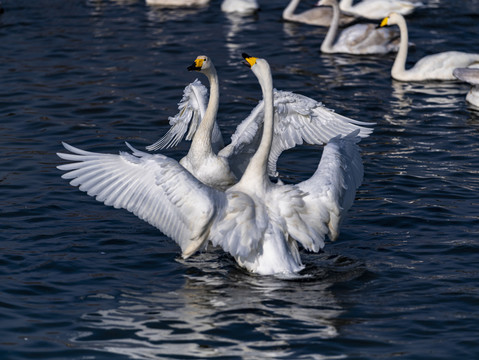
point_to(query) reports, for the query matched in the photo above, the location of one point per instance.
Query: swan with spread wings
(298, 119)
(258, 222)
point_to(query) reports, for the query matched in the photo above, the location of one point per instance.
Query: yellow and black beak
(383, 23)
(196, 66)
(250, 60)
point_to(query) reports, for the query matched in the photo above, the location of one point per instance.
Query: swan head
(392, 19)
(202, 64)
(259, 66)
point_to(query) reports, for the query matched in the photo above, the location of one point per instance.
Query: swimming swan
(315, 16)
(299, 119)
(378, 9)
(432, 67)
(357, 39)
(256, 221)
(471, 76)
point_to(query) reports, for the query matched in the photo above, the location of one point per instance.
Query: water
(80, 280)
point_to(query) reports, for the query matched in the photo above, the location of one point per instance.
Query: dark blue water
(79, 280)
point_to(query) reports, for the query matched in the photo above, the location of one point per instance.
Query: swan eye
(384, 22)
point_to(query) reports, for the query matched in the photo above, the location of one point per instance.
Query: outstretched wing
(191, 108)
(332, 188)
(298, 119)
(153, 187)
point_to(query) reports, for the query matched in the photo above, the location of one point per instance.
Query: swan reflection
(218, 311)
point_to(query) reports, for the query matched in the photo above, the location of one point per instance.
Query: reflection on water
(248, 315)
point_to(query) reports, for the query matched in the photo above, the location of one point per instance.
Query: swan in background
(177, 3)
(432, 67)
(315, 16)
(243, 7)
(471, 76)
(299, 119)
(357, 39)
(378, 9)
(256, 221)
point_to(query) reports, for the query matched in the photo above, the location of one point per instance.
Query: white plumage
(359, 38)
(315, 16)
(471, 76)
(378, 9)
(298, 119)
(256, 221)
(242, 7)
(432, 67)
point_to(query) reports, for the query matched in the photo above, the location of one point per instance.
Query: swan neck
(399, 65)
(327, 44)
(257, 169)
(289, 10)
(202, 140)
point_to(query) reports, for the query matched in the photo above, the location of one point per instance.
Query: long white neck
(289, 10)
(327, 44)
(345, 5)
(399, 66)
(201, 142)
(257, 170)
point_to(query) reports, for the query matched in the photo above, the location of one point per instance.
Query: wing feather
(155, 188)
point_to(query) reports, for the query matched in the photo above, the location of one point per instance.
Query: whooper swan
(315, 16)
(378, 9)
(299, 119)
(432, 67)
(256, 221)
(359, 38)
(471, 76)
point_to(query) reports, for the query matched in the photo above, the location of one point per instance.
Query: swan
(299, 119)
(378, 9)
(471, 76)
(357, 39)
(244, 7)
(178, 3)
(315, 16)
(256, 221)
(432, 67)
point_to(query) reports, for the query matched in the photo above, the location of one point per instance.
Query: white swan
(357, 39)
(315, 16)
(378, 9)
(243, 7)
(255, 220)
(299, 119)
(471, 76)
(177, 3)
(432, 67)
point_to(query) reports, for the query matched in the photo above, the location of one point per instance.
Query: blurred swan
(315, 16)
(239, 6)
(378, 9)
(177, 3)
(432, 67)
(256, 221)
(298, 119)
(471, 76)
(357, 39)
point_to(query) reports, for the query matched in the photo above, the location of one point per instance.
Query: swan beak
(383, 23)
(196, 66)
(250, 60)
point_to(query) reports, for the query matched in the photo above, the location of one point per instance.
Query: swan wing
(153, 187)
(298, 119)
(332, 188)
(191, 108)
(469, 75)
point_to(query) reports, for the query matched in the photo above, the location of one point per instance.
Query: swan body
(471, 76)
(259, 223)
(357, 39)
(315, 16)
(299, 119)
(432, 67)
(177, 3)
(240, 6)
(378, 9)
